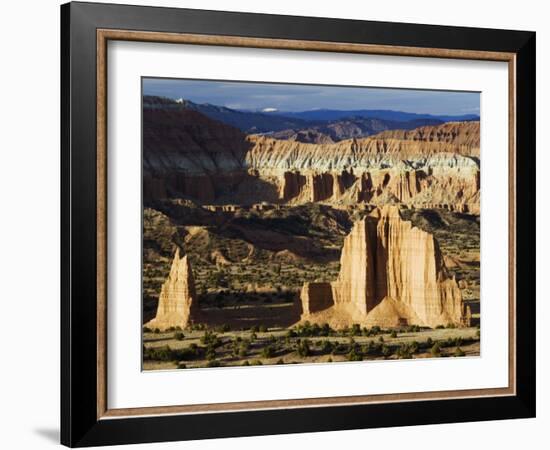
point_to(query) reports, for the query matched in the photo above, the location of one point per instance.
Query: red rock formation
(458, 133)
(178, 304)
(391, 274)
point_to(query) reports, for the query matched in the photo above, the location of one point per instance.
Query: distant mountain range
(248, 122)
(316, 126)
(381, 114)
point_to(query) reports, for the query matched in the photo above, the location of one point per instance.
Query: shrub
(146, 329)
(436, 349)
(303, 349)
(268, 352)
(262, 329)
(393, 334)
(368, 348)
(404, 352)
(240, 348)
(179, 336)
(381, 339)
(459, 352)
(213, 363)
(386, 350)
(211, 339)
(354, 356)
(325, 330)
(280, 361)
(182, 365)
(291, 334)
(355, 330)
(156, 331)
(429, 342)
(327, 346)
(158, 354)
(225, 328)
(339, 348)
(210, 354)
(246, 363)
(257, 362)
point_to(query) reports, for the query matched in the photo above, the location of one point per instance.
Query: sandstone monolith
(178, 304)
(391, 274)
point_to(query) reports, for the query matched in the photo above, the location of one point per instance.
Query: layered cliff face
(456, 190)
(360, 154)
(435, 166)
(391, 274)
(186, 154)
(178, 305)
(458, 133)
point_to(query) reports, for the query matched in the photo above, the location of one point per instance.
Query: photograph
(298, 224)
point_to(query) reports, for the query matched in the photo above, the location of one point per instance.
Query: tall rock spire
(178, 304)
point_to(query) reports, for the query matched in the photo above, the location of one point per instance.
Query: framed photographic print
(276, 224)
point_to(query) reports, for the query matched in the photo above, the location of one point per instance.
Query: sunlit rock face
(178, 306)
(391, 274)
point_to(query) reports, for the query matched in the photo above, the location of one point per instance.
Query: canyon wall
(458, 133)
(391, 274)
(188, 155)
(434, 166)
(178, 304)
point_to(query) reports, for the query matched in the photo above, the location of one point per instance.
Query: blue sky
(293, 97)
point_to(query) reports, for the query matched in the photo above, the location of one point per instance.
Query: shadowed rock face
(391, 274)
(187, 154)
(178, 304)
